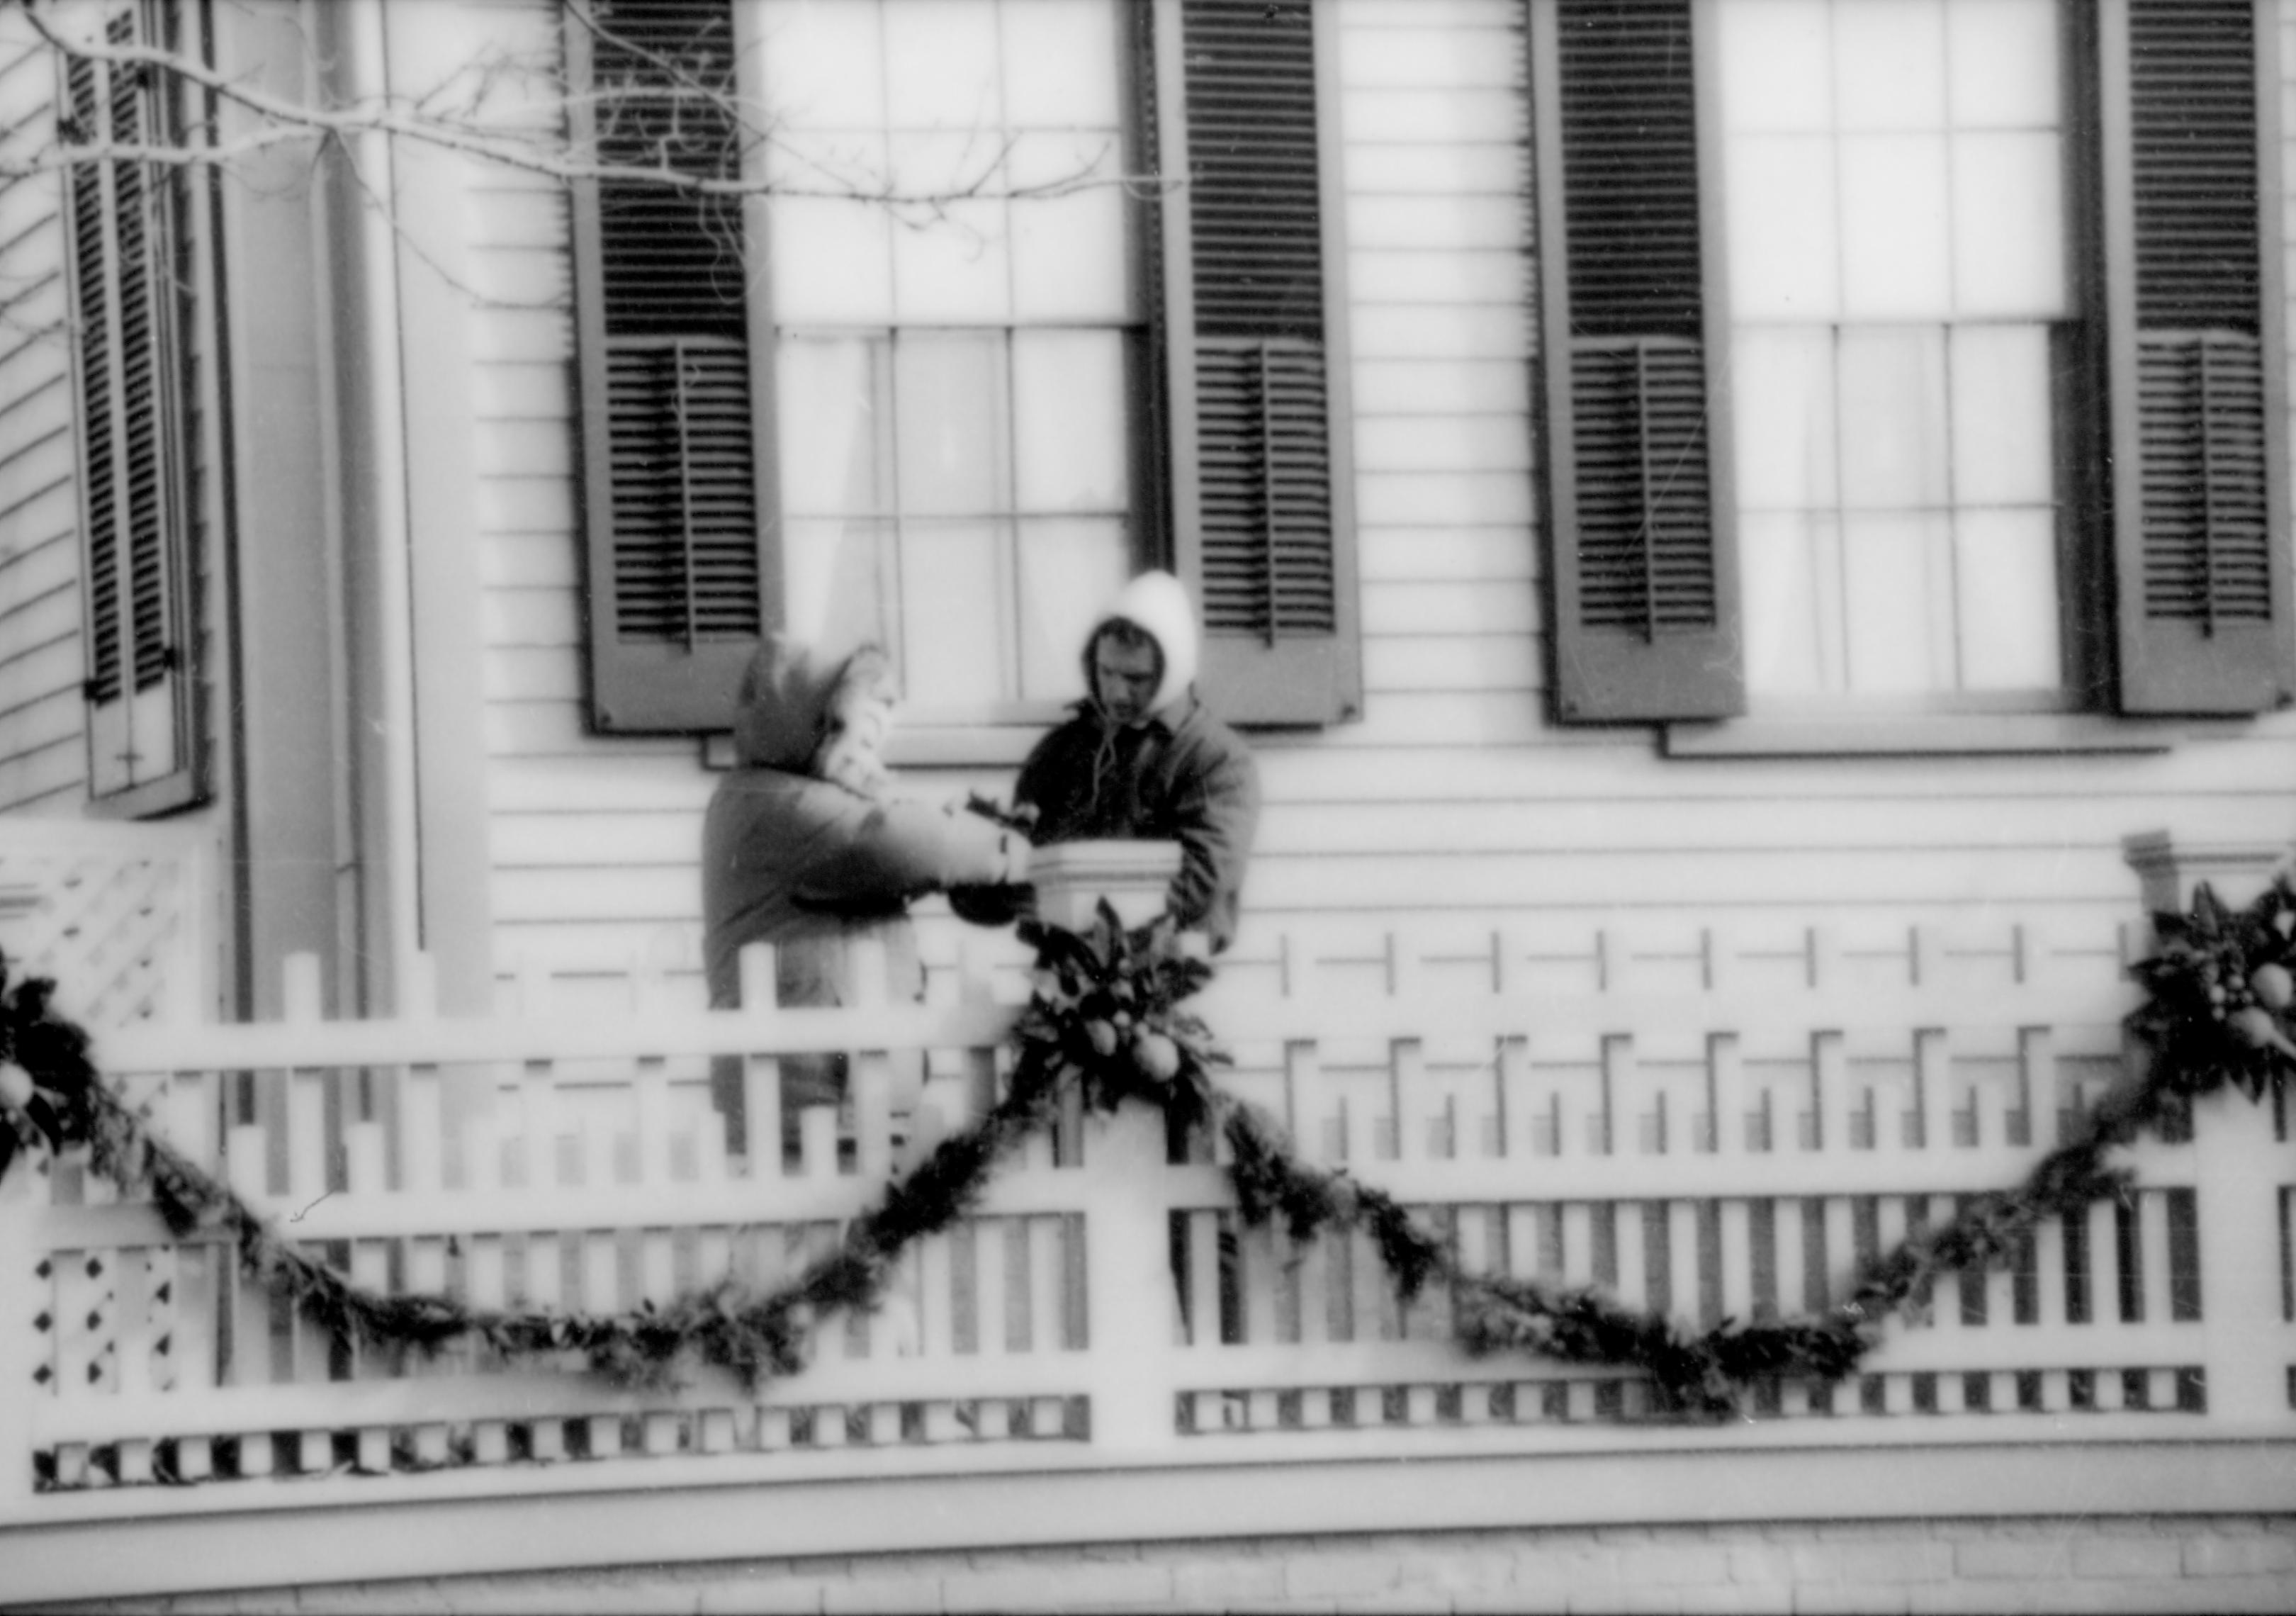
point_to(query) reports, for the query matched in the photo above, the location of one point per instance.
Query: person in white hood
(1143, 760)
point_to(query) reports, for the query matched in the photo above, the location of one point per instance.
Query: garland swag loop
(1106, 1016)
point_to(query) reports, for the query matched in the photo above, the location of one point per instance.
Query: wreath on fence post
(1107, 1015)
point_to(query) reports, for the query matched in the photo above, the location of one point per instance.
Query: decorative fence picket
(1716, 1126)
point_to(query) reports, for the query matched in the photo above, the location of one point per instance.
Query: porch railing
(1715, 1124)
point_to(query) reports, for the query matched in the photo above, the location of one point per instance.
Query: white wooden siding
(1454, 800)
(43, 756)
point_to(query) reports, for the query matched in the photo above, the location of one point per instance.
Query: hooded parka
(812, 867)
(1177, 773)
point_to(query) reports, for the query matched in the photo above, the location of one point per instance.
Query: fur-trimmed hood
(1158, 603)
(787, 695)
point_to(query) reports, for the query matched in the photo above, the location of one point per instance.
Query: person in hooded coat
(1144, 759)
(802, 849)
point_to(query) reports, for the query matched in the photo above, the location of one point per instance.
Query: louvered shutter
(1254, 380)
(681, 576)
(2190, 194)
(127, 272)
(1642, 594)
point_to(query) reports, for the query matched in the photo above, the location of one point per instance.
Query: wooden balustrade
(1711, 1125)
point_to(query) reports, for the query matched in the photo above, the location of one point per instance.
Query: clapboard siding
(1419, 385)
(39, 513)
(1425, 555)
(1454, 803)
(652, 896)
(1389, 444)
(36, 426)
(1469, 275)
(42, 760)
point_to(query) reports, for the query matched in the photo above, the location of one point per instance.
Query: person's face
(853, 754)
(1124, 678)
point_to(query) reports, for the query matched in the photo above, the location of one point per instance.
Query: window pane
(1890, 64)
(940, 65)
(955, 631)
(1897, 593)
(832, 261)
(1068, 419)
(1895, 199)
(1775, 65)
(1061, 64)
(1068, 253)
(1782, 250)
(1894, 245)
(951, 263)
(1789, 582)
(903, 383)
(829, 426)
(836, 582)
(1069, 570)
(2004, 57)
(2008, 225)
(2006, 563)
(1893, 419)
(949, 411)
(823, 63)
(1783, 395)
(2001, 450)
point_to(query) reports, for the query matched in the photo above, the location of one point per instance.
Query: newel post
(2237, 1161)
(1128, 1297)
(1071, 878)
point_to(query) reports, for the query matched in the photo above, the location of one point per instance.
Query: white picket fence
(1715, 1125)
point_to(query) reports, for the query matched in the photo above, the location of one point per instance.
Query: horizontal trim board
(681, 1518)
(1971, 732)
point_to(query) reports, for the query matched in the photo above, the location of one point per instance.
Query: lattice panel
(120, 917)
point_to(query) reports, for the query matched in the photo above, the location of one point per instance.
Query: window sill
(938, 746)
(1933, 735)
(169, 794)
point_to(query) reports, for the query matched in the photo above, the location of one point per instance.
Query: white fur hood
(1156, 602)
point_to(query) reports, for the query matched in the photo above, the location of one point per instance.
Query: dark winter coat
(1178, 774)
(813, 867)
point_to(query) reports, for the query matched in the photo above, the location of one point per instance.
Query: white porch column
(2238, 1164)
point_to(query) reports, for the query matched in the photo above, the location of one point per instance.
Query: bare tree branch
(460, 116)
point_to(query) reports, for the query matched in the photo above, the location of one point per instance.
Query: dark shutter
(2191, 200)
(680, 576)
(1254, 382)
(128, 272)
(1642, 593)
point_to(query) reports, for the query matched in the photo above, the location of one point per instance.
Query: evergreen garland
(1106, 1016)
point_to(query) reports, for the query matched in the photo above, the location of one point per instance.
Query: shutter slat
(684, 552)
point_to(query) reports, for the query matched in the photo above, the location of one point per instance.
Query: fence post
(2237, 1165)
(1129, 1300)
(22, 1295)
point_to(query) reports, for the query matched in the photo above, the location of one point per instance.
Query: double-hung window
(132, 358)
(1913, 356)
(1002, 301)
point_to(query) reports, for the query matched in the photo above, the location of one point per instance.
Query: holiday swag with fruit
(1106, 1020)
